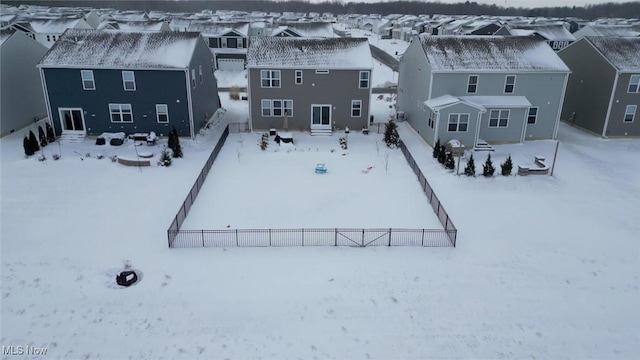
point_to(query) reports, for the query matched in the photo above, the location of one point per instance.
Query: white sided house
(491, 88)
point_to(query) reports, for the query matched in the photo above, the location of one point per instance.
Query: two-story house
(228, 42)
(498, 89)
(110, 81)
(603, 94)
(48, 31)
(311, 84)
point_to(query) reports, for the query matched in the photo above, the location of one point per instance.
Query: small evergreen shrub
(165, 158)
(487, 168)
(42, 137)
(449, 163)
(391, 136)
(28, 149)
(264, 141)
(436, 149)
(507, 166)
(343, 142)
(51, 136)
(442, 154)
(470, 169)
(33, 141)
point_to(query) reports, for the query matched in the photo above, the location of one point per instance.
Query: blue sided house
(99, 81)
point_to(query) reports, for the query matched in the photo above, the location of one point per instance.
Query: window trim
(271, 78)
(361, 79)
(632, 83)
(298, 77)
(458, 122)
(264, 102)
(125, 81)
(358, 108)
(469, 84)
(165, 112)
(120, 113)
(286, 107)
(92, 80)
(535, 116)
(506, 83)
(322, 71)
(500, 112)
(633, 114)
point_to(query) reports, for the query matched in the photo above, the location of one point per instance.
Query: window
(509, 84)
(364, 79)
(431, 119)
(193, 78)
(630, 113)
(277, 107)
(88, 83)
(322, 72)
(472, 84)
(129, 81)
(298, 77)
(270, 78)
(120, 112)
(458, 122)
(532, 116)
(634, 84)
(499, 118)
(48, 38)
(356, 108)
(162, 113)
(200, 73)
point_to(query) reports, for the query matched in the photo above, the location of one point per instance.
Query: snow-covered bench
(539, 167)
(115, 139)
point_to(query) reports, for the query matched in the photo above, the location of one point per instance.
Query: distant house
(319, 85)
(48, 31)
(556, 35)
(21, 97)
(112, 81)
(603, 93)
(608, 30)
(317, 29)
(135, 25)
(228, 42)
(498, 89)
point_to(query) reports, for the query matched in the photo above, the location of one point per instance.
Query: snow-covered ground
(545, 267)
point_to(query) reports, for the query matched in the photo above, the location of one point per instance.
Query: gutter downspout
(613, 93)
(46, 99)
(189, 103)
(250, 119)
(561, 105)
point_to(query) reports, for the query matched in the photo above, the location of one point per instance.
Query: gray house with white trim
(319, 85)
(110, 81)
(491, 88)
(603, 94)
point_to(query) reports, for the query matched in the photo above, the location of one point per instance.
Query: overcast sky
(513, 3)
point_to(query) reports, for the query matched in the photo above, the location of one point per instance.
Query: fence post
(202, 237)
(169, 238)
(336, 237)
(302, 236)
(237, 243)
(363, 237)
(389, 236)
(269, 236)
(423, 237)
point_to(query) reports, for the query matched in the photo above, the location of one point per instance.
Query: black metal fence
(310, 237)
(444, 218)
(195, 189)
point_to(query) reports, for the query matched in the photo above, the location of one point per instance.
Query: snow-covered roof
(502, 101)
(109, 49)
(550, 32)
(312, 29)
(140, 25)
(490, 53)
(214, 28)
(50, 26)
(328, 53)
(5, 34)
(622, 52)
(614, 30)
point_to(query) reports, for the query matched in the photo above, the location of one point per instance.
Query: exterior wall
(589, 87)
(616, 126)
(413, 89)
(337, 88)
(543, 90)
(64, 88)
(21, 96)
(467, 138)
(510, 134)
(204, 96)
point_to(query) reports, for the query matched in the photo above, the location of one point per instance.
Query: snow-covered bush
(470, 169)
(507, 166)
(487, 168)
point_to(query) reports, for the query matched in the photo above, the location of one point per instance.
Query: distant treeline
(605, 10)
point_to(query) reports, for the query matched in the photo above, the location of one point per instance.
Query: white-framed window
(120, 113)
(88, 82)
(193, 78)
(129, 81)
(432, 120)
(472, 84)
(276, 107)
(458, 122)
(322, 72)
(532, 116)
(630, 113)
(200, 73)
(509, 84)
(634, 84)
(298, 77)
(48, 38)
(162, 113)
(356, 108)
(270, 78)
(364, 80)
(499, 118)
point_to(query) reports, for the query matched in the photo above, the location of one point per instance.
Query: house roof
(5, 34)
(622, 52)
(109, 49)
(50, 26)
(550, 32)
(479, 102)
(490, 53)
(311, 29)
(139, 25)
(328, 53)
(615, 30)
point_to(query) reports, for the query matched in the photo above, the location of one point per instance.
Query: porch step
(482, 145)
(72, 138)
(321, 132)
